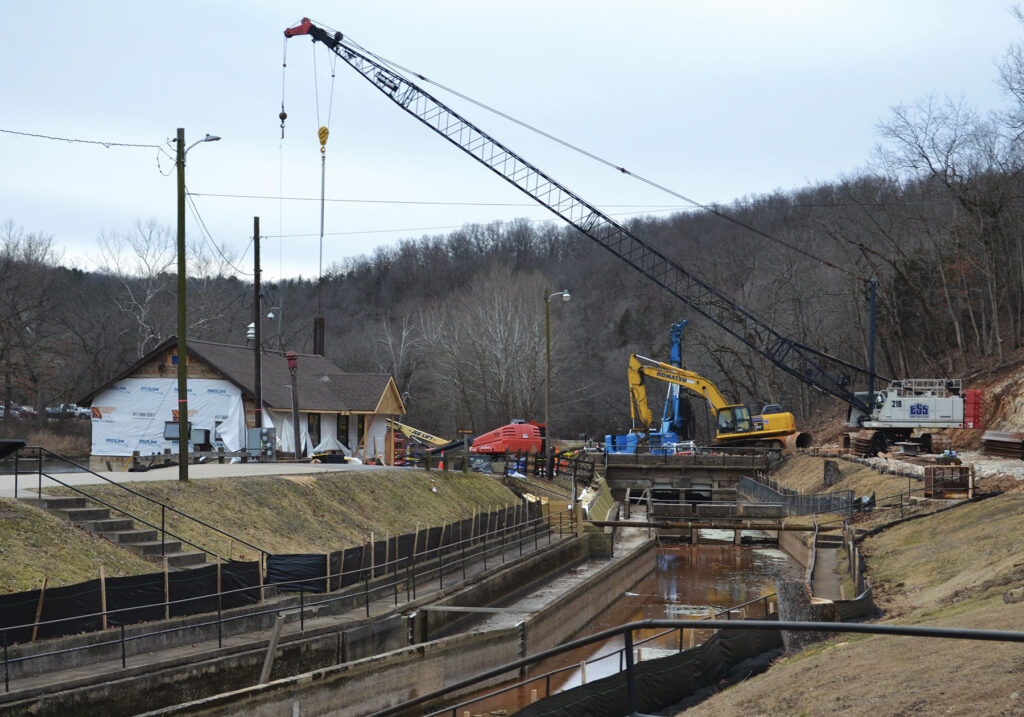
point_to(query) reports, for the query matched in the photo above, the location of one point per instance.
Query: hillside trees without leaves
(459, 319)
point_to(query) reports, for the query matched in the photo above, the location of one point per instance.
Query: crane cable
(323, 132)
(711, 209)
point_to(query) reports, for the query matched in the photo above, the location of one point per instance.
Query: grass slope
(293, 514)
(947, 568)
(310, 513)
(35, 544)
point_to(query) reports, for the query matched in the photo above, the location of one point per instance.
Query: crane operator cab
(734, 419)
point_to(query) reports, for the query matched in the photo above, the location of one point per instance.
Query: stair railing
(163, 506)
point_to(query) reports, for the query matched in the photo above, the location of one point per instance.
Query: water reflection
(685, 582)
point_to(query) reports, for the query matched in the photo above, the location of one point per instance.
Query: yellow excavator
(734, 426)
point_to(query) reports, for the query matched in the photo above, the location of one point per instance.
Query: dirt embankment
(942, 568)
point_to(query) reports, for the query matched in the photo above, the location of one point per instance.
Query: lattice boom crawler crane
(883, 422)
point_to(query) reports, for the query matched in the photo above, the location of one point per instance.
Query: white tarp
(130, 415)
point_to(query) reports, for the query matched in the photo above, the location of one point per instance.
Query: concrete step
(182, 559)
(109, 525)
(81, 515)
(154, 548)
(132, 536)
(53, 502)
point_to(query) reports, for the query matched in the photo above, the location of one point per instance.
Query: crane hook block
(323, 133)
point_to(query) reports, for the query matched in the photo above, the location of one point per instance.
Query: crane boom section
(822, 371)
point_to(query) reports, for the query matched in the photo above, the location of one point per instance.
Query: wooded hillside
(459, 319)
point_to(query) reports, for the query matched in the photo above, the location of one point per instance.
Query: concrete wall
(181, 679)
(563, 619)
(375, 683)
(367, 685)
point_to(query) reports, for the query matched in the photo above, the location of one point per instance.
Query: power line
(422, 202)
(736, 204)
(82, 141)
(424, 229)
(209, 239)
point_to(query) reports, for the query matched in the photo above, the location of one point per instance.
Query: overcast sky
(717, 100)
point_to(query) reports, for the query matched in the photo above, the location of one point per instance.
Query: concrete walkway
(28, 477)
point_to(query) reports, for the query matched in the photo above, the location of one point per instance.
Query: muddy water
(685, 581)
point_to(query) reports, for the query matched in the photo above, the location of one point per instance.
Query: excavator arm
(822, 371)
(640, 367)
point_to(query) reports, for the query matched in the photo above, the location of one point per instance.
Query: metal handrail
(163, 506)
(627, 632)
(616, 653)
(390, 585)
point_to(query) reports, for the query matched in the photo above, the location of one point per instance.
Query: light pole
(280, 314)
(564, 293)
(183, 422)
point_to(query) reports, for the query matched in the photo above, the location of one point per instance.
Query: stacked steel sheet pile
(1002, 443)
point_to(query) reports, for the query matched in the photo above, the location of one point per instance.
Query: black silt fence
(18, 609)
(135, 599)
(305, 572)
(193, 591)
(662, 682)
(72, 601)
(236, 575)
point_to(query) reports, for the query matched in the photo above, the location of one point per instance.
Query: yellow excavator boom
(733, 422)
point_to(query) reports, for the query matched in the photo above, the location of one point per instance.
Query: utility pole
(182, 347)
(293, 365)
(183, 422)
(257, 314)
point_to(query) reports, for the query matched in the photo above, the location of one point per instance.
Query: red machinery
(516, 437)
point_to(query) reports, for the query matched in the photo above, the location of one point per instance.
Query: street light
(182, 347)
(564, 293)
(280, 314)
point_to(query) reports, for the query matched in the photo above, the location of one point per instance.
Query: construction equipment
(734, 425)
(407, 439)
(819, 370)
(417, 434)
(676, 417)
(516, 437)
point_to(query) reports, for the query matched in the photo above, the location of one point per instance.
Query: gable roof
(321, 386)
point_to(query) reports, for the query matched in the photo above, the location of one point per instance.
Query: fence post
(7, 669)
(630, 673)
(220, 636)
(163, 531)
(366, 594)
(123, 656)
(302, 608)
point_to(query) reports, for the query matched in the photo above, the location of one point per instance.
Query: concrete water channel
(560, 589)
(674, 581)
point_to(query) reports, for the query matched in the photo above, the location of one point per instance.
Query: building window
(313, 424)
(343, 429)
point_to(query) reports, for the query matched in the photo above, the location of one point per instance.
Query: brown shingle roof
(322, 386)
